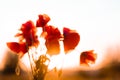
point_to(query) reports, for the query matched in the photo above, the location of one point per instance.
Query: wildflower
(87, 57)
(43, 20)
(28, 34)
(71, 39)
(52, 40)
(28, 43)
(50, 33)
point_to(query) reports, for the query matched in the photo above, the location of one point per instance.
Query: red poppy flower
(52, 40)
(87, 57)
(71, 39)
(43, 20)
(52, 32)
(17, 47)
(28, 33)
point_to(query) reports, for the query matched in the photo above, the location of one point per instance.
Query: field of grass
(110, 72)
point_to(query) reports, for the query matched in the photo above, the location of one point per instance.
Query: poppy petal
(87, 57)
(23, 48)
(52, 32)
(14, 46)
(71, 39)
(43, 20)
(17, 47)
(53, 47)
(28, 33)
(52, 40)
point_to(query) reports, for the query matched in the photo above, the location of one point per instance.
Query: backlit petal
(71, 39)
(14, 46)
(43, 20)
(52, 40)
(17, 47)
(87, 57)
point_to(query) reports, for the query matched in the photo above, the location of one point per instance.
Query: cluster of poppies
(28, 38)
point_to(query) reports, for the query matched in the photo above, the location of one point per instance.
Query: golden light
(97, 26)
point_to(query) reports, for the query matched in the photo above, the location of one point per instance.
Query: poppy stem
(31, 65)
(63, 57)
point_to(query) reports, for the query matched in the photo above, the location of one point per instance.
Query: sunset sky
(97, 21)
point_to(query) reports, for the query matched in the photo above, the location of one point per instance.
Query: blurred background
(97, 22)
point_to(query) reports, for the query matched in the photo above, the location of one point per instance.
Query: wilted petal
(87, 57)
(71, 39)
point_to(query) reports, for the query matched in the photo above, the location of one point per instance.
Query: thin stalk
(62, 53)
(30, 58)
(30, 65)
